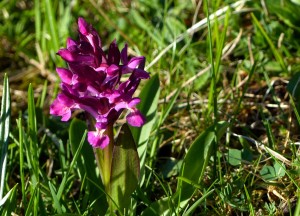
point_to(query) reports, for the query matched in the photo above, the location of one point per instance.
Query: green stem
(104, 158)
(107, 158)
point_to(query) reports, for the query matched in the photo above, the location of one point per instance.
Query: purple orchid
(93, 83)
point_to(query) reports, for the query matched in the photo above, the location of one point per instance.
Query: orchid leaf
(148, 106)
(197, 159)
(125, 168)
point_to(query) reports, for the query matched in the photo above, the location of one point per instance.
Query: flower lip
(135, 118)
(98, 140)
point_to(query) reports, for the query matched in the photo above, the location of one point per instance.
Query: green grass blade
(76, 155)
(32, 132)
(37, 20)
(213, 97)
(33, 149)
(52, 25)
(169, 107)
(277, 55)
(249, 200)
(4, 132)
(30, 206)
(43, 96)
(21, 146)
(55, 199)
(220, 44)
(198, 202)
(85, 163)
(10, 200)
(297, 210)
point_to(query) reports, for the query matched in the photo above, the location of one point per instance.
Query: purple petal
(113, 53)
(136, 61)
(83, 26)
(85, 48)
(127, 105)
(59, 109)
(65, 75)
(102, 67)
(80, 87)
(112, 70)
(75, 57)
(65, 100)
(70, 42)
(89, 109)
(123, 85)
(124, 57)
(66, 116)
(113, 96)
(139, 74)
(97, 140)
(135, 118)
(121, 105)
(133, 64)
(134, 102)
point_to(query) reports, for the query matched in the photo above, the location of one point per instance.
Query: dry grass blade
(260, 146)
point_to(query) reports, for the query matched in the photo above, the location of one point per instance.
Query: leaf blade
(149, 101)
(125, 168)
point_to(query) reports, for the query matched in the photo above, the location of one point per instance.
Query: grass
(223, 136)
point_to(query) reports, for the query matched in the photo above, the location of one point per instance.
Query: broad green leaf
(87, 166)
(234, 157)
(268, 173)
(170, 167)
(125, 168)
(197, 158)
(279, 169)
(148, 106)
(4, 132)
